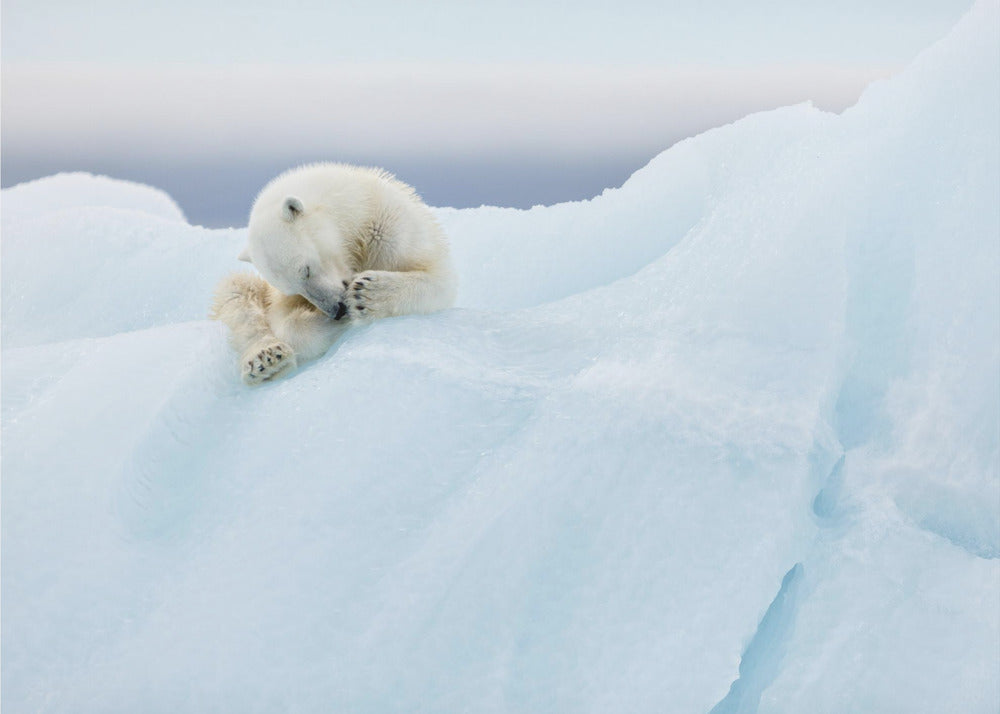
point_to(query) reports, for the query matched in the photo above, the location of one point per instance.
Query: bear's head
(300, 252)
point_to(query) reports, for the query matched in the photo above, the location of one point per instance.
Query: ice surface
(724, 439)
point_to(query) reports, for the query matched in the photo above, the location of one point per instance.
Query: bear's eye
(304, 272)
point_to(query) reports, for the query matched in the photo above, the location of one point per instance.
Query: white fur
(330, 240)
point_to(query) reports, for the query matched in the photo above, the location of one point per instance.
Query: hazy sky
(512, 103)
(582, 31)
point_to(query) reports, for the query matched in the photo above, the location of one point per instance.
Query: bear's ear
(292, 208)
(245, 256)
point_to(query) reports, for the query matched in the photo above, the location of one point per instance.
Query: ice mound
(81, 190)
(724, 439)
(87, 256)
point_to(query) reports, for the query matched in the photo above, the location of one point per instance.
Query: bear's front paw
(267, 360)
(362, 297)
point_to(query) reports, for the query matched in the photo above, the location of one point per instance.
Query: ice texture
(724, 439)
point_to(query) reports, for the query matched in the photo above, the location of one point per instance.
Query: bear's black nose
(341, 311)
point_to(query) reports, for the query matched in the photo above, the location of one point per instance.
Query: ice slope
(724, 439)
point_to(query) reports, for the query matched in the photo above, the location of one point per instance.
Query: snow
(724, 439)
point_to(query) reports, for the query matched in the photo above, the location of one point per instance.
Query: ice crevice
(762, 657)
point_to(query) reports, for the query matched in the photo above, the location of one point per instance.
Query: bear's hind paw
(267, 361)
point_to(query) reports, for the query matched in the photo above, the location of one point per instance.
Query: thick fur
(335, 244)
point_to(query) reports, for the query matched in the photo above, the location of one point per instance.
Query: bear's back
(351, 193)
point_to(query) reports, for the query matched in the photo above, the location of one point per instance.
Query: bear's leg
(242, 302)
(383, 293)
(308, 330)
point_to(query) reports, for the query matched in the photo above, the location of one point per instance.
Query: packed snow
(725, 439)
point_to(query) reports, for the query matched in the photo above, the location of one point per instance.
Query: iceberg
(724, 439)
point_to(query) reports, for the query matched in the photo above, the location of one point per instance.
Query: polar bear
(335, 244)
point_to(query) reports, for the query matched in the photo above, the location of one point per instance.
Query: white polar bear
(336, 244)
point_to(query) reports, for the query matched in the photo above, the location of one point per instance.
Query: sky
(511, 103)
